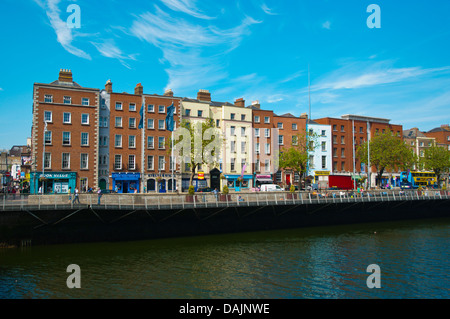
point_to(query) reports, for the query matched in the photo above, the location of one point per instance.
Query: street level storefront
(125, 182)
(160, 183)
(52, 182)
(263, 179)
(233, 181)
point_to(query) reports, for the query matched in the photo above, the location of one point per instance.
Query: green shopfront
(52, 182)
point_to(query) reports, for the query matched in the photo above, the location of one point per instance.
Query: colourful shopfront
(234, 181)
(125, 182)
(52, 182)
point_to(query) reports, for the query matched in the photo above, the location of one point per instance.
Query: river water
(318, 262)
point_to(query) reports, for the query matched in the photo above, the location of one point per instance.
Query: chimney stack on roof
(139, 89)
(65, 75)
(445, 126)
(108, 86)
(204, 95)
(240, 102)
(256, 104)
(168, 92)
(304, 116)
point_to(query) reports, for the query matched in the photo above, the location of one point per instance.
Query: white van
(270, 188)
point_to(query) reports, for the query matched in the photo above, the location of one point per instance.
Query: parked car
(205, 190)
(270, 188)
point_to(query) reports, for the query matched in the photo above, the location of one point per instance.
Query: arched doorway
(151, 185)
(102, 183)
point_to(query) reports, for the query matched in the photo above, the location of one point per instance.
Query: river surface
(320, 262)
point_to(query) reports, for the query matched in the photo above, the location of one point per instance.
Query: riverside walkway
(24, 202)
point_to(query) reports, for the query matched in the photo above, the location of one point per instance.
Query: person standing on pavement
(99, 193)
(75, 196)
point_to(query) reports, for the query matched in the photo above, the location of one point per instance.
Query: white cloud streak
(267, 10)
(63, 32)
(186, 6)
(191, 49)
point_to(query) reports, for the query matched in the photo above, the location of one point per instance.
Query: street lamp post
(43, 159)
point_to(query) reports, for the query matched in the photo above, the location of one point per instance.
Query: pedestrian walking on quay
(75, 196)
(99, 193)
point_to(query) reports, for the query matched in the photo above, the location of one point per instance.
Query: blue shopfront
(125, 182)
(52, 182)
(233, 181)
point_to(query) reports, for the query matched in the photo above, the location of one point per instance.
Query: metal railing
(208, 200)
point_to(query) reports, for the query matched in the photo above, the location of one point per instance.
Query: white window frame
(118, 137)
(48, 160)
(267, 148)
(67, 160)
(267, 119)
(161, 163)
(267, 132)
(130, 108)
(257, 119)
(163, 142)
(131, 122)
(87, 122)
(51, 116)
(117, 157)
(64, 118)
(118, 106)
(152, 161)
(116, 124)
(67, 99)
(48, 98)
(87, 139)
(163, 122)
(150, 108)
(152, 146)
(81, 161)
(132, 160)
(131, 141)
(163, 109)
(148, 124)
(47, 133)
(85, 101)
(256, 132)
(70, 138)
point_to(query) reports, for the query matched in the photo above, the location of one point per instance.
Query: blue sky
(255, 49)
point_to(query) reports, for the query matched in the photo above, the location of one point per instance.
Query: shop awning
(264, 180)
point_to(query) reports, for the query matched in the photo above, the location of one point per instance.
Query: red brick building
(67, 114)
(441, 135)
(348, 133)
(290, 129)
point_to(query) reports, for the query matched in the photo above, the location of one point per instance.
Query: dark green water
(321, 262)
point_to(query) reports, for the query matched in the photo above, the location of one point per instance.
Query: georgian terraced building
(91, 138)
(65, 136)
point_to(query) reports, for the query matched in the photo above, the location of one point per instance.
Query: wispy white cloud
(186, 6)
(109, 49)
(190, 48)
(267, 10)
(359, 75)
(326, 25)
(63, 33)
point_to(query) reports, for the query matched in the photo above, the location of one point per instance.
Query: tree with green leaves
(202, 143)
(436, 159)
(296, 157)
(387, 152)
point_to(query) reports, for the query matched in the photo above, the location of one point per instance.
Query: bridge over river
(50, 219)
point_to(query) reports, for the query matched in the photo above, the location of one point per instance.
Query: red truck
(340, 181)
